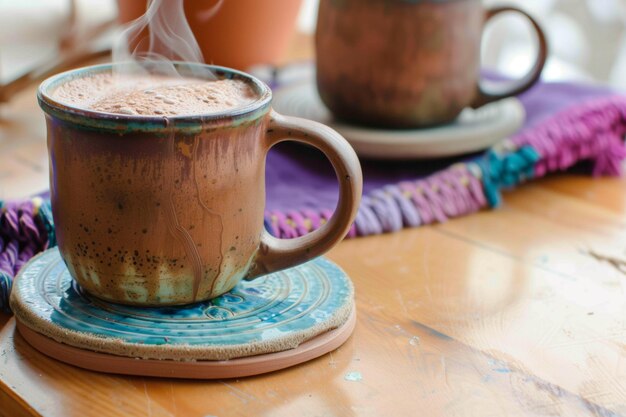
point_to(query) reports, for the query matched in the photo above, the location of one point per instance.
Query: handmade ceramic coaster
(474, 130)
(260, 326)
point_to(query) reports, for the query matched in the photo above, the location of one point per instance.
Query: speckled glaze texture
(392, 63)
(273, 313)
(180, 214)
(168, 211)
(158, 217)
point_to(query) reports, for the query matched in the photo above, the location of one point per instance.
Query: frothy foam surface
(154, 95)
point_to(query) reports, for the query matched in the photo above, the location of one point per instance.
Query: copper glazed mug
(164, 211)
(408, 63)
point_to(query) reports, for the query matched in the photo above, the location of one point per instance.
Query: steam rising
(161, 36)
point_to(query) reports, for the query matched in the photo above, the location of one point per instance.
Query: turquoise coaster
(270, 314)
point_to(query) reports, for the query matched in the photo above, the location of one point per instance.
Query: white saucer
(474, 130)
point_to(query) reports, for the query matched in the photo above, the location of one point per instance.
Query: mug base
(104, 299)
(394, 124)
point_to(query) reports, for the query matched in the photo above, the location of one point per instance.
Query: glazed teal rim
(137, 123)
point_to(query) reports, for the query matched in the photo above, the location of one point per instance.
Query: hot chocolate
(154, 95)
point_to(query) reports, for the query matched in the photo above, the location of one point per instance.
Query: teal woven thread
(506, 170)
(45, 215)
(5, 291)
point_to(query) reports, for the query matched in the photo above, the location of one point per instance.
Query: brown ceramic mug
(163, 211)
(401, 63)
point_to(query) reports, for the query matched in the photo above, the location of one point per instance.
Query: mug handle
(276, 254)
(497, 91)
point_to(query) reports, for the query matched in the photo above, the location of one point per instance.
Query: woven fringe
(453, 192)
(22, 235)
(594, 131)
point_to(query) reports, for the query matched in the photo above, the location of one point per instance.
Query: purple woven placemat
(299, 177)
(566, 124)
(302, 191)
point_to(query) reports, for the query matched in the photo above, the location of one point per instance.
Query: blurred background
(587, 37)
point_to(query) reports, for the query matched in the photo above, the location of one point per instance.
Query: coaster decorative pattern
(270, 314)
(473, 130)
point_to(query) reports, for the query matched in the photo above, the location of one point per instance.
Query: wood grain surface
(515, 312)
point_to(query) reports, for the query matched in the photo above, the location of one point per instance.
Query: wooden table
(519, 311)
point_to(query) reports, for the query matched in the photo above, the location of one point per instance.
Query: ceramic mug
(239, 34)
(406, 63)
(165, 211)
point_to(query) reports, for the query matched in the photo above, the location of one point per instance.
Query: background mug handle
(488, 92)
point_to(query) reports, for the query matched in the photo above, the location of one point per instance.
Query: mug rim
(129, 122)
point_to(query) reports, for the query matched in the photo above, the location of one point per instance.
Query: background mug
(401, 63)
(162, 211)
